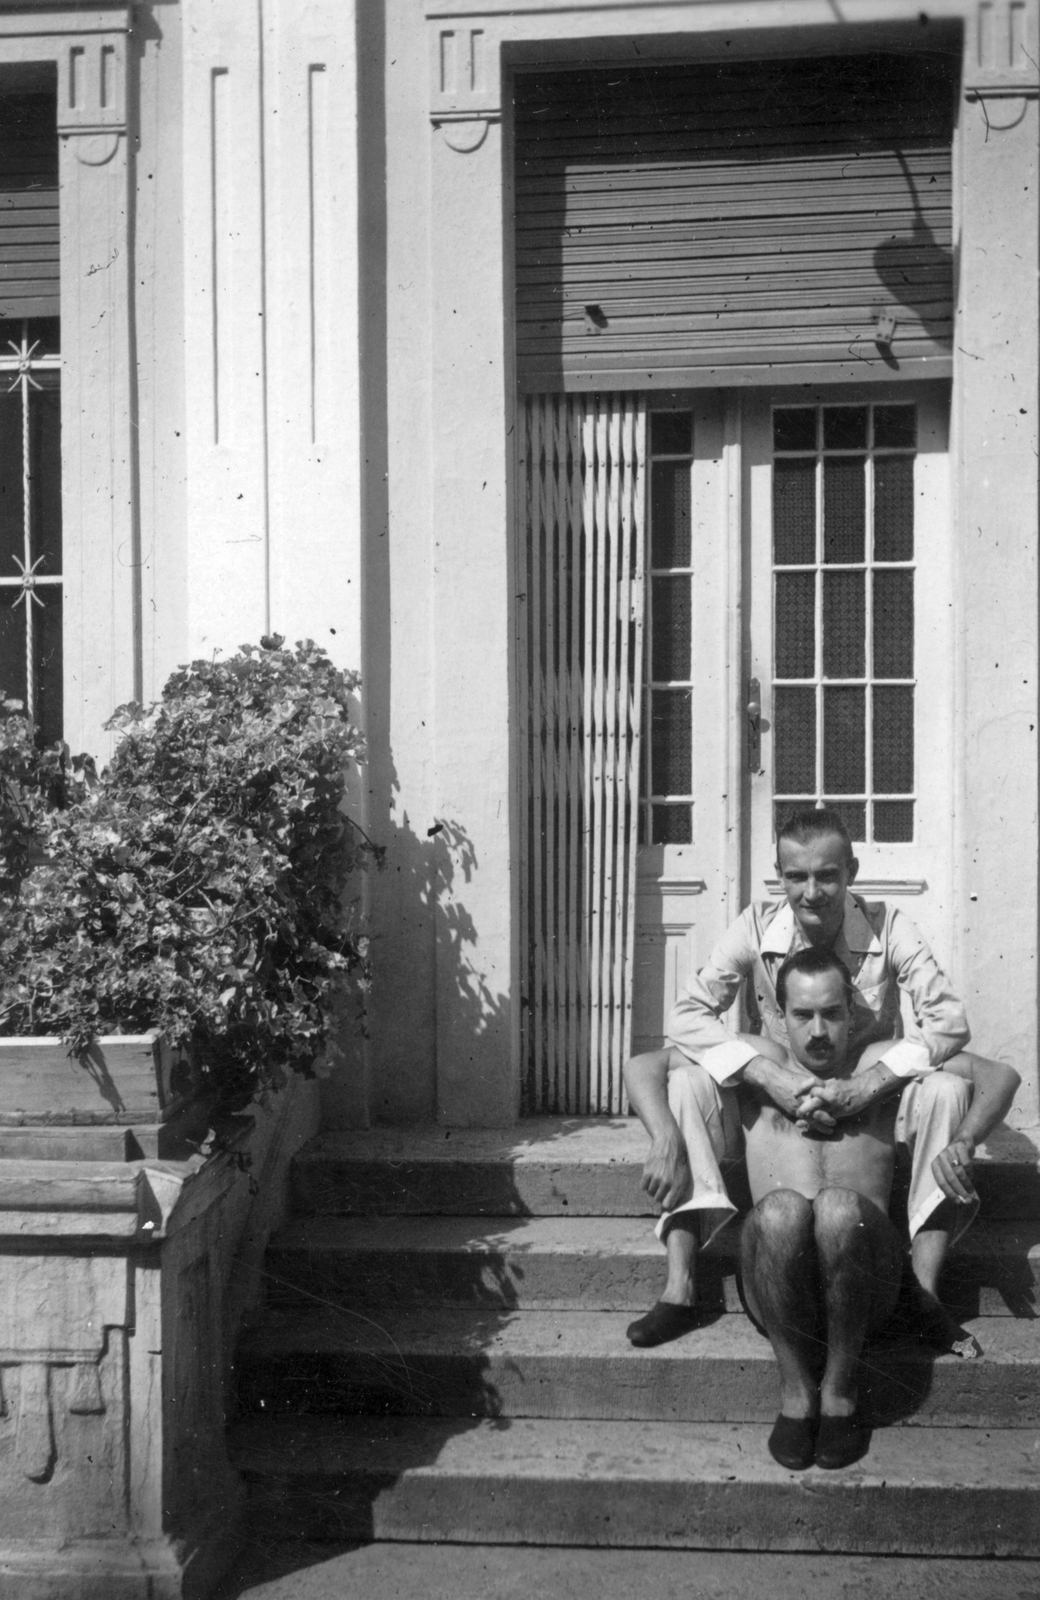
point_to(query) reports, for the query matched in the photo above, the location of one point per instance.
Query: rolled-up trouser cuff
(709, 1121)
(930, 1112)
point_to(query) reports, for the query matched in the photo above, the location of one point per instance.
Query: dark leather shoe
(792, 1442)
(662, 1323)
(840, 1441)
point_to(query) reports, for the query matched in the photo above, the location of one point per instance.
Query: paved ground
(481, 1572)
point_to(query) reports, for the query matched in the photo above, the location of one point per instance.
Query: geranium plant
(199, 885)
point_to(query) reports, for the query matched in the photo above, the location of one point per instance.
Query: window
(843, 614)
(30, 417)
(666, 814)
(30, 522)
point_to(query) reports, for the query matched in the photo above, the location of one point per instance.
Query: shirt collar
(856, 930)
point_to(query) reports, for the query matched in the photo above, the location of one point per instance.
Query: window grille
(30, 521)
(667, 787)
(843, 615)
(582, 486)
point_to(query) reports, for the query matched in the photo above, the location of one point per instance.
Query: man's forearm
(994, 1089)
(647, 1088)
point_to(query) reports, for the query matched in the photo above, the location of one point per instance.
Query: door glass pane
(671, 433)
(895, 427)
(844, 624)
(893, 623)
(854, 815)
(794, 511)
(894, 821)
(894, 739)
(784, 809)
(670, 514)
(844, 508)
(794, 718)
(893, 508)
(795, 631)
(844, 427)
(673, 824)
(670, 628)
(844, 740)
(794, 428)
(671, 741)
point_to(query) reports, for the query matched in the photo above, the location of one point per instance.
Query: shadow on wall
(917, 270)
(422, 926)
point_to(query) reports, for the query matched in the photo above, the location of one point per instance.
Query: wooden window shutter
(738, 222)
(28, 206)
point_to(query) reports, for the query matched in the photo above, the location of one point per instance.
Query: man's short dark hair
(802, 827)
(811, 961)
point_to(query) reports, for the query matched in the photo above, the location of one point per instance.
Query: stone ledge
(123, 1285)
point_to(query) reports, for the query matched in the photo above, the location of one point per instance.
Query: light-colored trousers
(930, 1111)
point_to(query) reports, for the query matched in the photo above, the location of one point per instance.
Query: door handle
(754, 724)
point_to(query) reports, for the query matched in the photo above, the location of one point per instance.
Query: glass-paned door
(798, 651)
(848, 649)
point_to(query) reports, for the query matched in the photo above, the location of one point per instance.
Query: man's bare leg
(930, 1246)
(781, 1286)
(682, 1242)
(860, 1265)
(936, 1326)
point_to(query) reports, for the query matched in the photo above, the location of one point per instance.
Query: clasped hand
(821, 1105)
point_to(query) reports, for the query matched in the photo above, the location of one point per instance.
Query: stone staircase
(443, 1359)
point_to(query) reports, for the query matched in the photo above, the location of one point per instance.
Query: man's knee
(690, 1085)
(944, 1091)
(838, 1216)
(781, 1214)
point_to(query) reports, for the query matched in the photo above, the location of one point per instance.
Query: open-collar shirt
(883, 951)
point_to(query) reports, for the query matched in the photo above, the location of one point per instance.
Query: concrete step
(973, 1492)
(438, 1362)
(549, 1166)
(300, 1571)
(573, 1263)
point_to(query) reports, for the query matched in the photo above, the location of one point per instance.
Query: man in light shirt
(684, 1095)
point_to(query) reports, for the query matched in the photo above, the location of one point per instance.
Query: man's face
(815, 877)
(818, 1020)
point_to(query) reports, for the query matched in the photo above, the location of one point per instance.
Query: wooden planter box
(123, 1079)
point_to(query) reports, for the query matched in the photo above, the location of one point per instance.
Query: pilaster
(995, 387)
(472, 564)
(102, 592)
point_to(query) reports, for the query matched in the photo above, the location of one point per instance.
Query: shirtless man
(821, 1262)
(686, 1094)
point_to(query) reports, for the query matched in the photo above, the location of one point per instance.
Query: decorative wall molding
(92, 87)
(463, 132)
(869, 887)
(660, 888)
(1001, 71)
(465, 85)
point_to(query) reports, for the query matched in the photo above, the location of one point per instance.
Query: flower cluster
(199, 884)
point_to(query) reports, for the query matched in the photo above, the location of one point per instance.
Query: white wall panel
(310, 134)
(225, 325)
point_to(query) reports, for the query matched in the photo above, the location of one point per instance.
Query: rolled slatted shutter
(582, 490)
(744, 222)
(28, 206)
